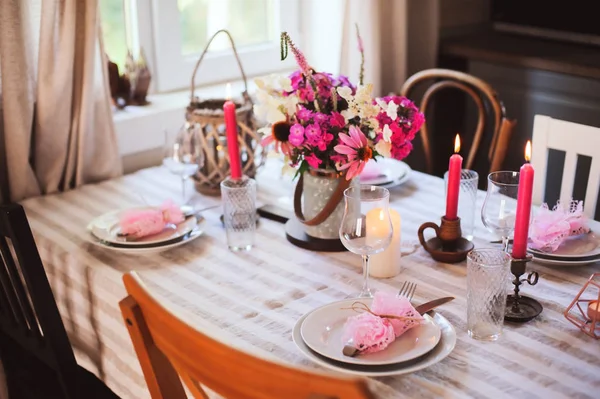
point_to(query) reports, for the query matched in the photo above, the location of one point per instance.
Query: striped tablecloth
(253, 299)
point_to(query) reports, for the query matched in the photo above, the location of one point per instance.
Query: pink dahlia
(357, 151)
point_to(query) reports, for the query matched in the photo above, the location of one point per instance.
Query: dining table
(252, 300)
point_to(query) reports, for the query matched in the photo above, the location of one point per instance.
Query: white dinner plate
(386, 172)
(440, 352)
(324, 326)
(106, 228)
(564, 263)
(574, 248)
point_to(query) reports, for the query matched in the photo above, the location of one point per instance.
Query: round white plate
(323, 329)
(564, 263)
(386, 172)
(581, 246)
(106, 228)
(440, 352)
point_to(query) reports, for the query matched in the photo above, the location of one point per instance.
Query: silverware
(408, 290)
(350, 350)
(500, 241)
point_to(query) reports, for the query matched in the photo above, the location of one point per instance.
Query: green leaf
(303, 168)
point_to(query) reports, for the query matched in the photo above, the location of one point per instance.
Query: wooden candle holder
(448, 245)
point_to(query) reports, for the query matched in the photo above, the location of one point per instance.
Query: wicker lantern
(209, 115)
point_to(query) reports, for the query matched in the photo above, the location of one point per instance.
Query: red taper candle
(454, 169)
(232, 137)
(519, 249)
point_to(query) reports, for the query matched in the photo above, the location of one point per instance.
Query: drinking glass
(500, 205)
(366, 227)
(469, 180)
(487, 277)
(239, 212)
(185, 155)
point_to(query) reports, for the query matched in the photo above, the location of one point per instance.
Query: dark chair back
(490, 111)
(28, 311)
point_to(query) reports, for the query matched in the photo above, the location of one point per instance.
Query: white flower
(391, 108)
(387, 134)
(290, 104)
(345, 93)
(268, 108)
(348, 114)
(385, 149)
(285, 83)
(363, 94)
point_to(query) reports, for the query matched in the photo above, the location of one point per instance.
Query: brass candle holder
(522, 308)
(448, 245)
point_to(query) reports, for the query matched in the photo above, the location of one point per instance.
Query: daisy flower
(280, 136)
(357, 151)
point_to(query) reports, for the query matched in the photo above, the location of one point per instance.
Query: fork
(408, 290)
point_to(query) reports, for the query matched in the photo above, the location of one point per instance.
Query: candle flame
(457, 144)
(528, 151)
(228, 91)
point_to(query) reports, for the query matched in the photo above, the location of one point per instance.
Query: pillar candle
(387, 263)
(232, 139)
(519, 250)
(454, 169)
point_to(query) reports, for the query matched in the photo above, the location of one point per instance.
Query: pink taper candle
(519, 250)
(232, 137)
(454, 169)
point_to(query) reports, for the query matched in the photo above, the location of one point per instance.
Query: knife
(350, 350)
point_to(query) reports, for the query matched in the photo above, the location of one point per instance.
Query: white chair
(573, 139)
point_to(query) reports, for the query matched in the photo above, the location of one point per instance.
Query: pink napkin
(389, 317)
(145, 222)
(550, 228)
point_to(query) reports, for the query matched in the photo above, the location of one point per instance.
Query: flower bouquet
(329, 128)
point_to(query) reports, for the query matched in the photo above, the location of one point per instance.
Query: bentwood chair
(169, 349)
(36, 352)
(490, 112)
(566, 159)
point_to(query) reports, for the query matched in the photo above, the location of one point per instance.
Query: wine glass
(366, 226)
(500, 205)
(184, 156)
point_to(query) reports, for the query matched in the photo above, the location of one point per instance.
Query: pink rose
(368, 332)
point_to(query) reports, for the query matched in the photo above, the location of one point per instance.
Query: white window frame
(154, 26)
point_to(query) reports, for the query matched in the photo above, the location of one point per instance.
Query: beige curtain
(400, 37)
(56, 129)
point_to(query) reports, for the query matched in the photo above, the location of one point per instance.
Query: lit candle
(232, 136)
(594, 311)
(519, 250)
(387, 263)
(454, 169)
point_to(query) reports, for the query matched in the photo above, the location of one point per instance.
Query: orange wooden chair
(169, 349)
(481, 93)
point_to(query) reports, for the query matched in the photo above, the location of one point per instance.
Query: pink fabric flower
(368, 332)
(145, 222)
(357, 151)
(296, 135)
(387, 303)
(550, 228)
(313, 161)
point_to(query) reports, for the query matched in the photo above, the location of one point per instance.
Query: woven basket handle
(237, 57)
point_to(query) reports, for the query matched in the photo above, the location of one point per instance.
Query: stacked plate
(578, 250)
(386, 172)
(318, 335)
(105, 232)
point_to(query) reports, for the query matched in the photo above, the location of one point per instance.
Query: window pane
(114, 31)
(250, 22)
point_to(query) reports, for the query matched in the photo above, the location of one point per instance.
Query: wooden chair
(31, 327)
(168, 348)
(579, 178)
(482, 93)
